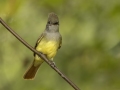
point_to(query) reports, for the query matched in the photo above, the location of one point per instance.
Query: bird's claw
(52, 63)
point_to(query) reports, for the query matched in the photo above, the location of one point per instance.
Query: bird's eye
(56, 23)
(48, 22)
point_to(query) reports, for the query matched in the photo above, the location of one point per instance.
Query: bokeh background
(90, 52)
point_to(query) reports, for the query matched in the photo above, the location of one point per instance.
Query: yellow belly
(49, 48)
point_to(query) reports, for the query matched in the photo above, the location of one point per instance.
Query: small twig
(39, 54)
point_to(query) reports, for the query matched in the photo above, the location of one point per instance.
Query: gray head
(53, 23)
(53, 19)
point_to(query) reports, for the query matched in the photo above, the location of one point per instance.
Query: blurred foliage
(90, 53)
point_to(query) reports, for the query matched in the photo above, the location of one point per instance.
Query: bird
(48, 44)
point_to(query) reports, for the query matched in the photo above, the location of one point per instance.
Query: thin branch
(39, 54)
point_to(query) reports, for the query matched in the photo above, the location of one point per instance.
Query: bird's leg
(52, 62)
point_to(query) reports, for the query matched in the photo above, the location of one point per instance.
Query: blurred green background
(90, 52)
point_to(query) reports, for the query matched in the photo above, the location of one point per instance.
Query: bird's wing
(38, 40)
(60, 43)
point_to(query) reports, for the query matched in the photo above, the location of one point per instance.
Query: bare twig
(39, 54)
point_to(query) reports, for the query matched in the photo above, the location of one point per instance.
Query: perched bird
(48, 44)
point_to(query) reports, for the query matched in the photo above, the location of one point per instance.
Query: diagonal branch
(39, 54)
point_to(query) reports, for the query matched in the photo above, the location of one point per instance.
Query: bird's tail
(30, 74)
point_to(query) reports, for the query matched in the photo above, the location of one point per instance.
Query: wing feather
(38, 41)
(60, 43)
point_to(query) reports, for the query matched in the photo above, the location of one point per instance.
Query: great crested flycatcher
(48, 43)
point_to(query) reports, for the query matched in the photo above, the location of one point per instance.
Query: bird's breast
(48, 48)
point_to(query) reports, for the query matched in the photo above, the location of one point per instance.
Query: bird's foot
(52, 63)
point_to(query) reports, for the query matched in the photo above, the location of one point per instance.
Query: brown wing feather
(60, 43)
(38, 41)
